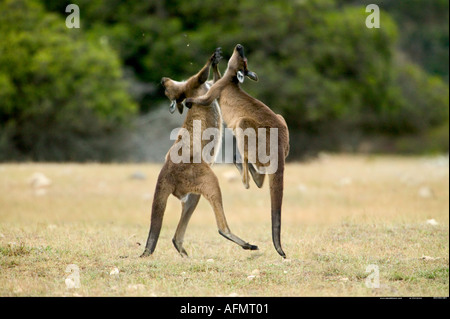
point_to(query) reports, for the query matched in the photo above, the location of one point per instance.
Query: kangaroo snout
(240, 50)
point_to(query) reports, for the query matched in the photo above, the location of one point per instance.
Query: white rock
(425, 192)
(345, 181)
(429, 258)
(432, 222)
(230, 176)
(147, 196)
(18, 290)
(138, 175)
(136, 287)
(38, 180)
(210, 260)
(302, 188)
(114, 272)
(255, 272)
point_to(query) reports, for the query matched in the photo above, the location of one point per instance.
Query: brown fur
(240, 110)
(187, 181)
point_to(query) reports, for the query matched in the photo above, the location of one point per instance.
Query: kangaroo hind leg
(246, 144)
(211, 191)
(189, 203)
(258, 178)
(237, 161)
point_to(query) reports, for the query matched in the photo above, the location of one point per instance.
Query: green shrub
(62, 97)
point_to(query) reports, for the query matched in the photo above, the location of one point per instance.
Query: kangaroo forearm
(216, 73)
(206, 99)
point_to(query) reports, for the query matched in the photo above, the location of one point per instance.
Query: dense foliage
(335, 80)
(61, 96)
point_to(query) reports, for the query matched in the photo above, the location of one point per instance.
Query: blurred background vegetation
(84, 94)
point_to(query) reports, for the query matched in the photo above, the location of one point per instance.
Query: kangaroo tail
(158, 209)
(276, 198)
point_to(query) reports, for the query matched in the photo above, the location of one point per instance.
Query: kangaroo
(188, 181)
(242, 111)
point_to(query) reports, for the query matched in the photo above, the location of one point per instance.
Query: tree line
(72, 94)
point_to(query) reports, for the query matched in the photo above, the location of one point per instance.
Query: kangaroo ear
(240, 76)
(180, 107)
(172, 106)
(252, 75)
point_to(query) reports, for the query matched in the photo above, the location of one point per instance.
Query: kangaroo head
(176, 91)
(237, 65)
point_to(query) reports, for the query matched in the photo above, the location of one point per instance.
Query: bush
(62, 97)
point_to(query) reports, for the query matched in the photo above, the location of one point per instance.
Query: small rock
(210, 260)
(147, 197)
(425, 192)
(114, 272)
(230, 176)
(233, 294)
(323, 157)
(255, 272)
(38, 180)
(51, 226)
(136, 287)
(345, 181)
(432, 222)
(18, 290)
(138, 175)
(302, 188)
(429, 258)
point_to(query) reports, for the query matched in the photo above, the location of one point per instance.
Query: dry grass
(340, 214)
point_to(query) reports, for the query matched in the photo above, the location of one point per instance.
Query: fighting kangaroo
(188, 181)
(241, 111)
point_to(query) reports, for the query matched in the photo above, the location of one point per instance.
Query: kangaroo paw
(179, 247)
(248, 246)
(146, 253)
(217, 56)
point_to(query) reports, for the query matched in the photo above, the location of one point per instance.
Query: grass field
(340, 215)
